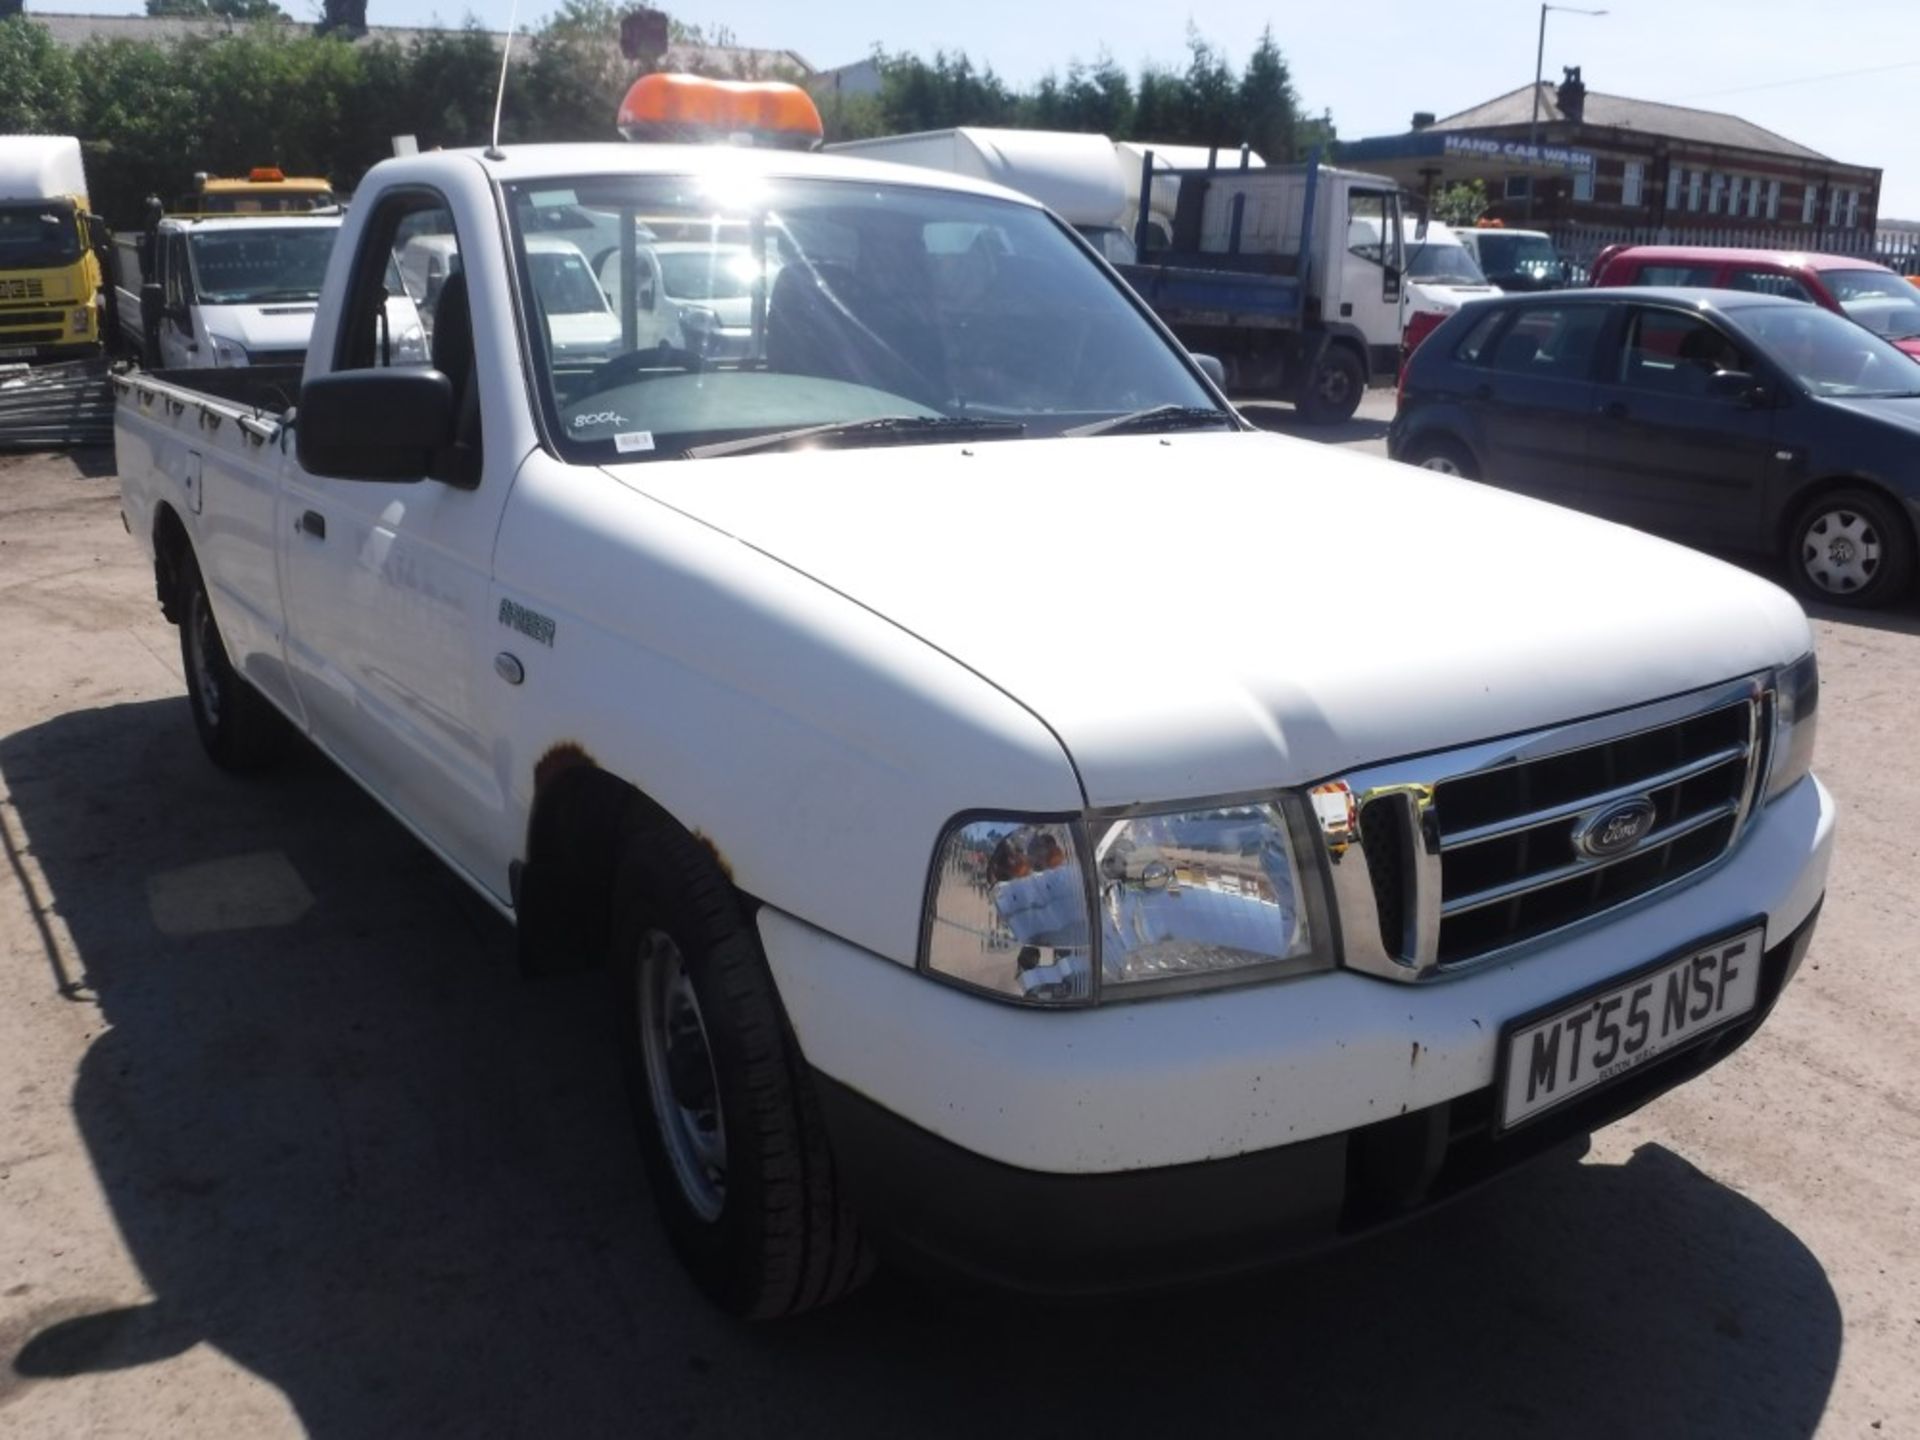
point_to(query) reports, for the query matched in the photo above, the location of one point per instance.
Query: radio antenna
(493, 151)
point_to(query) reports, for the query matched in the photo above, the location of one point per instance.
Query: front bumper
(934, 1205)
(1207, 1076)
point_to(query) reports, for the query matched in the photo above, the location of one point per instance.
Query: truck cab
(50, 244)
(237, 290)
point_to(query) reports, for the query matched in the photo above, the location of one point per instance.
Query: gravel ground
(286, 1146)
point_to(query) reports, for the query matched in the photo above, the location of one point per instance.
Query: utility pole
(1539, 60)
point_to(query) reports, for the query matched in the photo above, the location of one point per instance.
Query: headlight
(228, 352)
(79, 321)
(1173, 901)
(1796, 709)
(411, 347)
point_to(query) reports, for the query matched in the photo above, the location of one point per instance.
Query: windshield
(1443, 263)
(860, 302)
(1829, 355)
(1877, 299)
(255, 267)
(564, 284)
(1529, 255)
(38, 235)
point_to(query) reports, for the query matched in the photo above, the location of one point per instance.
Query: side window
(1701, 275)
(406, 304)
(1551, 340)
(1676, 354)
(401, 285)
(175, 268)
(1367, 224)
(1474, 345)
(1768, 282)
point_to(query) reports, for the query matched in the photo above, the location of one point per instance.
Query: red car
(1870, 294)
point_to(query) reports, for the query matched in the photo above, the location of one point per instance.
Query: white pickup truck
(1041, 827)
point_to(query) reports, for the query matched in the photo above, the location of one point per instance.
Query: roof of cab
(262, 220)
(521, 163)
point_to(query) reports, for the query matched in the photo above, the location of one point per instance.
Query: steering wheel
(631, 366)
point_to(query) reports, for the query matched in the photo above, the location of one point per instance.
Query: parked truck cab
(50, 246)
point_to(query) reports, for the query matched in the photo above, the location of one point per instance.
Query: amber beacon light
(688, 108)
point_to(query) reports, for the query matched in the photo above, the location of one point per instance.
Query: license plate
(17, 352)
(1549, 1058)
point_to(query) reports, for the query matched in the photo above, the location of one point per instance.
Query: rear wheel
(1444, 456)
(1332, 392)
(1851, 547)
(723, 1107)
(238, 729)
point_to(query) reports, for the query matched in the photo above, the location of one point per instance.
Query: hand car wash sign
(1518, 152)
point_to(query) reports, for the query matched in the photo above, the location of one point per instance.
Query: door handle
(1614, 409)
(312, 523)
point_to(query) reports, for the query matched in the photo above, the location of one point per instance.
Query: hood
(1899, 412)
(284, 325)
(1435, 295)
(1214, 614)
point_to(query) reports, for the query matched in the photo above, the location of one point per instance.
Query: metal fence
(49, 407)
(1899, 249)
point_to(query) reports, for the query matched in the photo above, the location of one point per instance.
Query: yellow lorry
(50, 248)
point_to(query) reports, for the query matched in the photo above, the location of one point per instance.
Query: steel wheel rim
(1840, 551)
(1440, 465)
(681, 1080)
(201, 638)
(1334, 385)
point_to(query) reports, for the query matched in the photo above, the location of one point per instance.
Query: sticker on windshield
(627, 441)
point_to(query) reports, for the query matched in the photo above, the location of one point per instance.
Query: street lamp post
(1539, 60)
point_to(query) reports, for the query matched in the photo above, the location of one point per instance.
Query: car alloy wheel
(681, 1081)
(1840, 551)
(1441, 465)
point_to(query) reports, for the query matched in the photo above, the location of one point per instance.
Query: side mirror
(1737, 385)
(1211, 367)
(374, 424)
(153, 304)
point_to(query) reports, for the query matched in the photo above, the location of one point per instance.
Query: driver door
(390, 635)
(178, 347)
(1371, 271)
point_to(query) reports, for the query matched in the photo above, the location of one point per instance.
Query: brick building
(1601, 168)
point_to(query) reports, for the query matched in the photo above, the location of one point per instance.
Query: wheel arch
(172, 546)
(563, 888)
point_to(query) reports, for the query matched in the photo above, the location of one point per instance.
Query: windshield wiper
(886, 430)
(1155, 417)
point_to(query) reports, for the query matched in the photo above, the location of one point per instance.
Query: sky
(1840, 82)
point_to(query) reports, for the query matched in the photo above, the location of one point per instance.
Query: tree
(38, 86)
(218, 9)
(576, 76)
(1460, 203)
(1269, 109)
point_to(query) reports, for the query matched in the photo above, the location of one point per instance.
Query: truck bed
(1199, 289)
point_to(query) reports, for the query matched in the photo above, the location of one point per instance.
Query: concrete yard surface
(286, 1145)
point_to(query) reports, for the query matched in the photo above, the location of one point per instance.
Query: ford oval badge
(1614, 830)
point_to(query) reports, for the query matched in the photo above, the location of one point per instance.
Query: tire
(1443, 455)
(1850, 547)
(238, 728)
(728, 1125)
(1333, 391)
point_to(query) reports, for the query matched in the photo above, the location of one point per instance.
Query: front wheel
(728, 1126)
(1851, 547)
(1332, 392)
